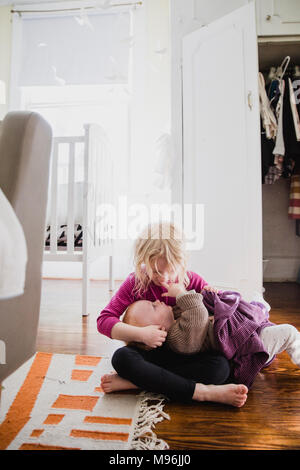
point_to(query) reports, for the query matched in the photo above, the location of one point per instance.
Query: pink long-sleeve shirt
(110, 315)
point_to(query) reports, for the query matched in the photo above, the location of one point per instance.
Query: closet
(244, 220)
(279, 59)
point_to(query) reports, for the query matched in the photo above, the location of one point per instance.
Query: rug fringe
(143, 436)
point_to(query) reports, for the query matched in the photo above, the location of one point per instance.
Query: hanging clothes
(274, 171)
(292, 146)
(294, 109)
(267, 157)
(273, 89)
(279, 103)
(267, 114)
(294, 203)
(268, 125)
(294, 200)
(279, 148)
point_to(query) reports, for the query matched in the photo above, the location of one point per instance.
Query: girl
(160, 259)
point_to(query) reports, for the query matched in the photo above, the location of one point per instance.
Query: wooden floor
(270, 419)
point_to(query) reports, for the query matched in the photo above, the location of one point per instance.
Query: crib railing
(97, 189)
(53, 201)
(98, 185)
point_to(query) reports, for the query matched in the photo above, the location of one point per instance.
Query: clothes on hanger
(284, 136)
(279, 148)
(273, 89)
(294, 109)
(267, 114)
(274, 171)
(294, 203)
(267, 146)
(292, 146)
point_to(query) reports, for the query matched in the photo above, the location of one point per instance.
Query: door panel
(278, 17)
(221, 159)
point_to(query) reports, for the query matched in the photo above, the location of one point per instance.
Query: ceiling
(23, 2)
(29, 2)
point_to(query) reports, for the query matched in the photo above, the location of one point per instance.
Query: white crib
(96, 188)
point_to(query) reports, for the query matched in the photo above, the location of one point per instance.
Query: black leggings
(173, 375)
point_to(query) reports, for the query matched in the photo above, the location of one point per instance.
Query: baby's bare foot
(229, 394)
(113, 383)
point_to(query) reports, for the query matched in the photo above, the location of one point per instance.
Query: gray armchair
(25, 148)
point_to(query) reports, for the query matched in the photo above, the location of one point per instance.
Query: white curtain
(78, 49)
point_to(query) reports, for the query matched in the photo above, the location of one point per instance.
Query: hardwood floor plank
(62, 329)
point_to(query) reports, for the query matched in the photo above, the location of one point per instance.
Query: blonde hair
(159, 240)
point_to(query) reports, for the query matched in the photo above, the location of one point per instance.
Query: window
(73, 69)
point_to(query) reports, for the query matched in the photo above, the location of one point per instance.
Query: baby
(179, 321)
(190, 329)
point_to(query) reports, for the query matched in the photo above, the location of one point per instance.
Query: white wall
(5, 52)
(151, 87)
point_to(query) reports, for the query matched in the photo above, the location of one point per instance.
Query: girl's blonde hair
(159, 240)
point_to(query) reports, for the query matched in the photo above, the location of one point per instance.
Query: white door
(221, 150)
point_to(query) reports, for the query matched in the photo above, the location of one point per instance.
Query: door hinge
(250, 100)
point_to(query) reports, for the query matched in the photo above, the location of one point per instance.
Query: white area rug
(54, 401)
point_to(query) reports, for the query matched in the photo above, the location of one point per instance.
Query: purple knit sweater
(110, 315)
(237, 325)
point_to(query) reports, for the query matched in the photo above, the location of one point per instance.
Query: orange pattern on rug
(103, 419)
(53, 419)
(106, 436)
(19, 412)
(45, 447)
(73, 402)
(82, 375)
(87, 360)
(36, 432)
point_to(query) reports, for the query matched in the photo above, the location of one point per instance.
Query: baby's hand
(153, 335)
(174, 289)
(210, 289)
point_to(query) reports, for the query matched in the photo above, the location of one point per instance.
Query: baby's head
(144, 313)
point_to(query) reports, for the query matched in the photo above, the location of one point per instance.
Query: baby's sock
(279, 338)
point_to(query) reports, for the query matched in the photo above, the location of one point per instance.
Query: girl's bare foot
(229, 394)
(113, 383)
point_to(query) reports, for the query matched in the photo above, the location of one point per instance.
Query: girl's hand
(153, 335)
(174, 289)
(210, 289)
